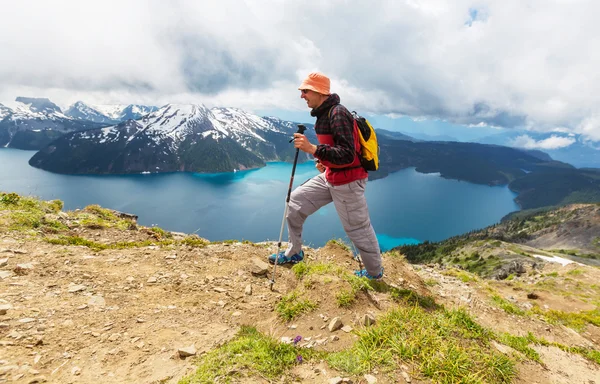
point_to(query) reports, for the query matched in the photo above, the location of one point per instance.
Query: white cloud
(531, 64)
(553, 142)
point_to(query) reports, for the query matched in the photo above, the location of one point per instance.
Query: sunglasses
(304, 91)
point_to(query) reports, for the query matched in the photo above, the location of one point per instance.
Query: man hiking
(342, 179)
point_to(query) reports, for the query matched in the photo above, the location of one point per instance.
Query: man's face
(313, 99)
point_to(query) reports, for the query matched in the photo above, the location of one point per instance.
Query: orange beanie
(316, 81)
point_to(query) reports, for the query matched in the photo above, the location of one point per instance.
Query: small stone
(259, 267)
(406, 376)
(335, 380)
(140, 320)
(5, 274)
(334, 338)
(151, 280)
(221, 303)
(347, 328)
(370, 379)
(97, 302)
(236, 314)
(7, 368)
(5, 308)
(293, 326)
(286, 340)
(335, 324)
(3, 262)
(76, 288)
(68, 323)
(14, 335)
(76, 371)
(248, 290)
(367, 319)
(171, 257)
(533, 296)
(114, 337)
(27, 320)
(187, 351)
(23, 269)
(219, 289)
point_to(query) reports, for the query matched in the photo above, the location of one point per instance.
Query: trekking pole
(356, 256)
(301, 129)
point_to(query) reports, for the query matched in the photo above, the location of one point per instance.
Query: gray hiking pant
(351, 206)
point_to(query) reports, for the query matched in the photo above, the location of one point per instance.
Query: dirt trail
(73, 315)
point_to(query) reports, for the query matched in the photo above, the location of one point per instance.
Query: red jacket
(338, 142)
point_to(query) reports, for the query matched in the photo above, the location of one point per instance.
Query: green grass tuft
(340, 243)
(431, 340)
(345, 298)
(291, 306)
(507, 306)
(249, 354)
(520, 344)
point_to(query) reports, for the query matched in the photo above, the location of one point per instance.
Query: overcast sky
(508, 63)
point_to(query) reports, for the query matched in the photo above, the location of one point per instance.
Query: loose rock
(259, 267)
(406, 377)
(97, 302)
(77, 288)
(187, 351)
(5, 308)
(335, 324)
(367, 319)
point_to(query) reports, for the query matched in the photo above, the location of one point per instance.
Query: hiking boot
(283, 259)
(364, 273)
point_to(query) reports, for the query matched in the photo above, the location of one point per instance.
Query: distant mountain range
(34, 122)
(108, 114)
(186, 137)
(574, 150)
(173, 138)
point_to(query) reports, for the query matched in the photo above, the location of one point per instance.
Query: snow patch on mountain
(4, 111)
(113, 111)
(25, 111)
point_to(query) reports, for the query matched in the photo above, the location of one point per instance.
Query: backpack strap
(354, 133)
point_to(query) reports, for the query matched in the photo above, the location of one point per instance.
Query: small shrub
(10, 198)
(507, 306)
(291, 306)
(345, 298)
(339, 243)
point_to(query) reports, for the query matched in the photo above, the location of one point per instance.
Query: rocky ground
(144, 314)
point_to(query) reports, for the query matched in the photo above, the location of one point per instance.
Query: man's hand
(302, 143)
(320, 167)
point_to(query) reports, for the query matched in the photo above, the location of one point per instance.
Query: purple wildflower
(297, 339)
(299, 359)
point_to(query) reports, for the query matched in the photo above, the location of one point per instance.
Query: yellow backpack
(369, 154)
(369, 149)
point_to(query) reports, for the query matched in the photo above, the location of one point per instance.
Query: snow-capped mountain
(82, 111)
(4, 111)
(135, 111)
(34, 122)
(174, 138)
(108, 114)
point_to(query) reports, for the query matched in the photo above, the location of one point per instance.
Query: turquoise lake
(406, 207)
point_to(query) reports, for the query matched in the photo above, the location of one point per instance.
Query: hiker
(342, 179)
